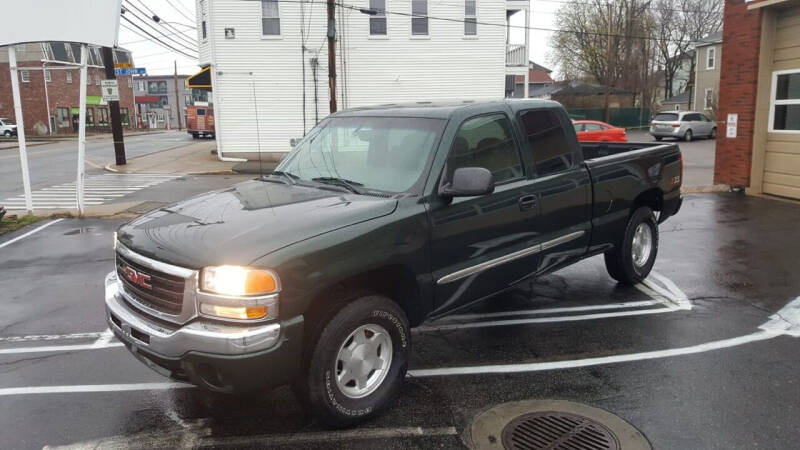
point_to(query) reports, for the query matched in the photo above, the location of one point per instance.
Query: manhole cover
(557, 431)
(552, 425)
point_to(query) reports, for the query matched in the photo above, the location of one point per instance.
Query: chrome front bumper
(173, 341)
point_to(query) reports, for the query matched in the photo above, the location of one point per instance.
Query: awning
(200, 80)
(148, 99)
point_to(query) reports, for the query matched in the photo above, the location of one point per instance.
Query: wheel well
(654, 198)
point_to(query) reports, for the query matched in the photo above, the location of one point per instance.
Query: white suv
(685, 125)
(7, 128)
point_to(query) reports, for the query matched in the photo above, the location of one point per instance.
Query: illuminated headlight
(240, 293)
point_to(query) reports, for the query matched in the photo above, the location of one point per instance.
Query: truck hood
(239, 224)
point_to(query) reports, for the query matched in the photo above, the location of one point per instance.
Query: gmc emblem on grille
(136, 277)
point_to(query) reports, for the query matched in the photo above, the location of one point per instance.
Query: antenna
(258, 131)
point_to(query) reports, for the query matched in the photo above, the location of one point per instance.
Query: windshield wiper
(350, 185)
(290, 177)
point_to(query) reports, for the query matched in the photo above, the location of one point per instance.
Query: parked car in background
(594, 131)
(685, 125)
(200, 121)
(7, 128)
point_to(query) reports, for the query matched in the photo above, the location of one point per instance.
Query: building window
(89, 117)
(69, 77)
(547, 141)
(486, 141)
(140, 87)
(47, 76)
(102, 117)
(785, 101)
(419, 17)
(88, 79)
(25, 76)
(377, 22)
(63, 117)
(711, 60)
(470, 18)
(203, 33)
(270, 18)
(97, 80)
(123, 113)
(709, 99)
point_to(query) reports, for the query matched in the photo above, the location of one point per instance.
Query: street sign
(110, 89)
(123, 66)
(733, 121)
(130, 71)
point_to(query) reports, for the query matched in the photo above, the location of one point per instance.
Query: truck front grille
(151, 288)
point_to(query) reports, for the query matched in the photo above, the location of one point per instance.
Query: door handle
(527, 202)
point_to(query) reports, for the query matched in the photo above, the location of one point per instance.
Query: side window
(546, 139)
(686, 118)
(486, 141)
(580, 127)
(594, 127)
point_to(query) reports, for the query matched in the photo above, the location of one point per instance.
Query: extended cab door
(561, 184)
(481, 245)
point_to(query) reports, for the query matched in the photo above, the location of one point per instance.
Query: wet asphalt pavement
(724, 384)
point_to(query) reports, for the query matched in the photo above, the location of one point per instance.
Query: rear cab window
(547, 141)
(486, 141)
(668, 117)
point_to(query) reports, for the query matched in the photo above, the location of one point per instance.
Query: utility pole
(116, 119)
(608, 66)
(332, 55)
(177, 97)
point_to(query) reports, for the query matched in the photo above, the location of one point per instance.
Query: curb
(705, 189)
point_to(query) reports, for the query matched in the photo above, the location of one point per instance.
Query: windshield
(6, 122)
(666, 117)
(380, 153)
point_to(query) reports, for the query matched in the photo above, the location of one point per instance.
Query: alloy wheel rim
(363, 361)
(642, 245)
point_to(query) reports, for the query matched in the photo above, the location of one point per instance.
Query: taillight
(676, 125)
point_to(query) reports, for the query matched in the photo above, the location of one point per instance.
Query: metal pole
(526, 88)
(135, 111)
(46, 97)
(116, 118)
(82, 132)
(608, 67)
(332, 55)
(177, 98)
(23, 152)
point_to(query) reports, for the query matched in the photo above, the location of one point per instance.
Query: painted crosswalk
(99, 189)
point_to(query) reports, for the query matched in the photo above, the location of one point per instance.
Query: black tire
(688, 136)
(7, 134)
(713, 134)
(320, 391)
(620, 260)
(658, 138)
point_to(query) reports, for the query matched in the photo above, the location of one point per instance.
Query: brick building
(760, 87)
(49, 74)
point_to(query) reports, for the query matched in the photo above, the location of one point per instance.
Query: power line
(141, 40)
(687, 11)
(147, 21)
(155, 38)
(191, 19)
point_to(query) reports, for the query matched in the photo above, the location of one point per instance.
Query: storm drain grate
(550, 430)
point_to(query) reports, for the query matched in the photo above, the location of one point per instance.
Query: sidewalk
(193, 159)
(32, 141)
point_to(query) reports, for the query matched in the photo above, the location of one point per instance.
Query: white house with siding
(269, 72)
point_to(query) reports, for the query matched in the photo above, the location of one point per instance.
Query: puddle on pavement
(81, 230)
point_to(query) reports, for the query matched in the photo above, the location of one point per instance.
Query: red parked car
(594, 131)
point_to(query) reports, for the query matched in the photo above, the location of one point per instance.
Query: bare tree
(678, 24)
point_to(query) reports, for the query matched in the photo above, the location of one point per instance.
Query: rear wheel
(688, 136)
(7, 133)
(358, 363)
(713, 134)
(632, 259)
(658, 138)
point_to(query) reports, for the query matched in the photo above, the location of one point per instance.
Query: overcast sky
(159, 60)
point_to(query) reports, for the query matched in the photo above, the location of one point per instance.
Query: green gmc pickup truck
(379, 219)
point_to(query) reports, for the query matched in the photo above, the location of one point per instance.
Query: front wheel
(631, 260)
(713, 134)
(359, 362)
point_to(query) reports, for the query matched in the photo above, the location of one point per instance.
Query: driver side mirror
(469, 182)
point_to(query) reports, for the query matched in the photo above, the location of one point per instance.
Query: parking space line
(58, 348)
(35, 230)
(52, 337)
(93, 388)
(576, 363)
(497, 323)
